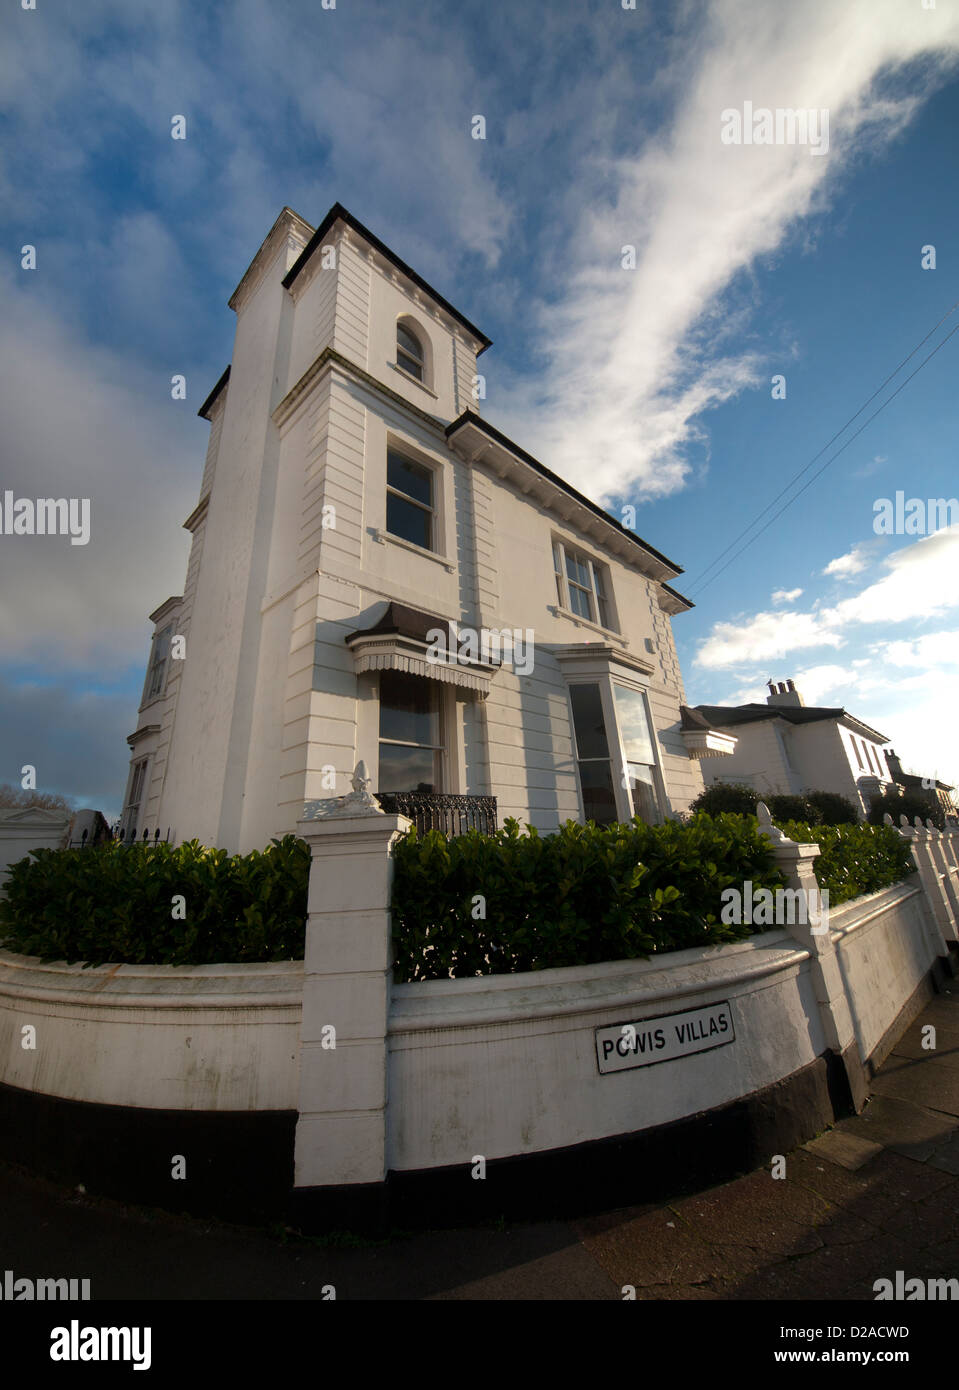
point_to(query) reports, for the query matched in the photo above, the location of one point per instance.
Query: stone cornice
(329, 358)
(139, 734)
(289, 233)
(166, 607)
(198, 513)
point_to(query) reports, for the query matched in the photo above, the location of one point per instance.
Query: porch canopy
(422, 644)
(701, 739)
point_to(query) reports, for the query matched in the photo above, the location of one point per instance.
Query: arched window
(409, 352)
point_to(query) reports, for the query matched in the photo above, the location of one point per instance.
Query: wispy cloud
(634, 361)
(785, 595)
(919, 584)
(848, 565)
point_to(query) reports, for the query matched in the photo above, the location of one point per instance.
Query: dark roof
(338, 213)
(406, 622)
(692, 719)
(469, 417)
(910, 779)
(674, 593)
(204, 408)
(728, 715)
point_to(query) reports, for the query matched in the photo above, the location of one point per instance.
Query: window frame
(443, 729)
(402, 352)
(599, 592)
(618, 761)
(130, 820)
(158, 663)
(431, 511)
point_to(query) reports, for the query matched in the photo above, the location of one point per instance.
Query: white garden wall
(507, 1064)
(884, 951)
(202, 1037)
(29, 827)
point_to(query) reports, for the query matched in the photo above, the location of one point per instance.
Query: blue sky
(648, 387)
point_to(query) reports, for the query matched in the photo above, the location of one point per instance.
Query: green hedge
(854, 859)
(580, 896)
(115, 903)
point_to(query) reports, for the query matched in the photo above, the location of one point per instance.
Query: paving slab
(826, 1274)
(946, 1158)
(759, 1212)
(848, 1150)
(570, 1273)
(658, 1249)
(911, 1042)
(908, 1129)
(930, 1082)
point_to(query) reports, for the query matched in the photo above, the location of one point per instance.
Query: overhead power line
(700, 582)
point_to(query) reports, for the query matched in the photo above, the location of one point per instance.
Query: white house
(785, 746)
(354, 505)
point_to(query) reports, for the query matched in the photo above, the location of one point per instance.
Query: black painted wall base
(238, 1164)
(651, 1165)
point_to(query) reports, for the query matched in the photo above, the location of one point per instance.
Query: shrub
(113, 903)
(833, 809)
(854, 859)
(582, 895)
(909, 806)
(730, 797)
(792, 808)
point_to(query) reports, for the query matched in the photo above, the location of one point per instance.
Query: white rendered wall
(758, 759)
(297, 511)
(459, 1047)
(207, 766)
(207, 1037)
(883, 955)
(23, 829)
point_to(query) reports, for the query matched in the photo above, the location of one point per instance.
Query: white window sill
(387, 536)
(408, 376)
(568, 613)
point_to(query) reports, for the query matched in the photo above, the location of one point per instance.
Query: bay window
(410, 742)
(615, 752)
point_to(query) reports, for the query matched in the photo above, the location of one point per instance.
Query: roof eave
(206, 407)
(338, 213)
(661, 566)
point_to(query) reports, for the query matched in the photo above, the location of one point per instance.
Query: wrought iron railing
(451, 814)
(120, 836)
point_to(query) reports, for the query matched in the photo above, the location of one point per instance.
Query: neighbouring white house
(925, 788)
(786, 747)
(354, 504)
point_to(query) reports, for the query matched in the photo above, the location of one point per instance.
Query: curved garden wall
(198, 1038)
(458, 1047)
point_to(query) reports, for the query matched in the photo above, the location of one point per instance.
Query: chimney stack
(785, 693)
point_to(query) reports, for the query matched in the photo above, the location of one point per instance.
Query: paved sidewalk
(876, 1194)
